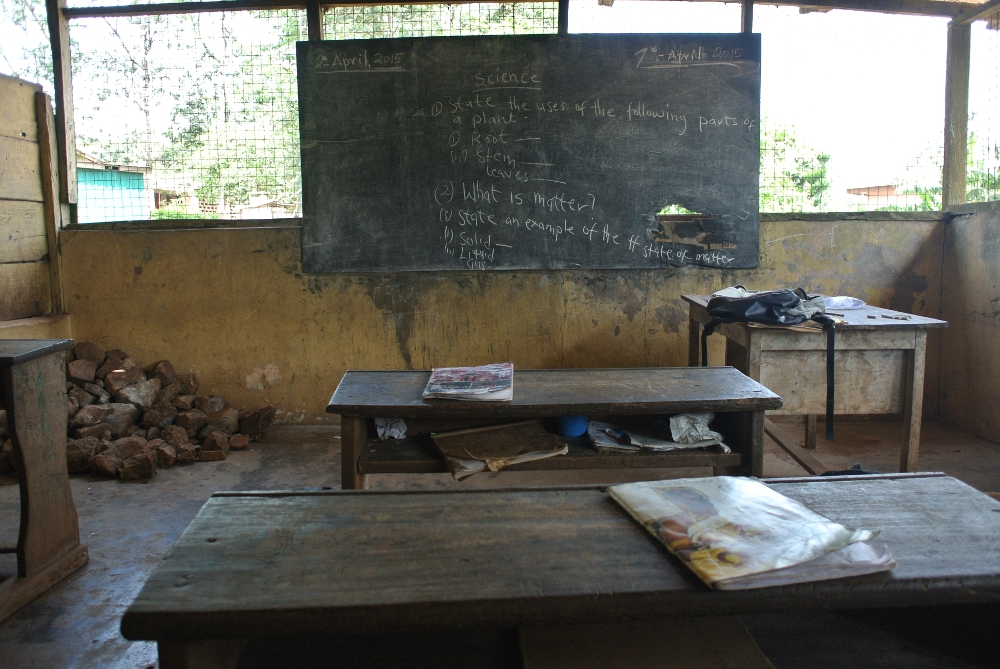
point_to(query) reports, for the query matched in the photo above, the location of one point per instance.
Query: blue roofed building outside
(107, 192)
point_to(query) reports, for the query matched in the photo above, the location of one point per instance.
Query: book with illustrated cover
(495, 446)
(737, 533)
(486, 383)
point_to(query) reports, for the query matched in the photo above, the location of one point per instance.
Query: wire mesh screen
(121, 3)
(196, 114)
(983, 175)
(359, 22)
(852, 113)
(592, 16)
(793, 175)
(188, 116)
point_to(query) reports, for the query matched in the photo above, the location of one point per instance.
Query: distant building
(877, 197)
(261, 206)
(107, 192)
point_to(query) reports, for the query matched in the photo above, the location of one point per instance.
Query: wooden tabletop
(16, 351)
(539, 393)
(857, 319)
(302, 563)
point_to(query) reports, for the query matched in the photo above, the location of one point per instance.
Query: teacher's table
(878, 367)
(600, 394)
(254, 566)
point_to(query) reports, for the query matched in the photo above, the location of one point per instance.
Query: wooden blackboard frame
(530, 152)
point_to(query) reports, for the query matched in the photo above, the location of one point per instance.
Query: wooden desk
(257, 565)
(33, 392)
(879, 366)
(738, 402)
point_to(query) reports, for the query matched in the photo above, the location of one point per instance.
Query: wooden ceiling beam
(955, 10)
(977, 12)
(235, 5)
(179, 8)
(910, 7)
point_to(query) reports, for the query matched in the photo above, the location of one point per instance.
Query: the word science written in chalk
(531, 152)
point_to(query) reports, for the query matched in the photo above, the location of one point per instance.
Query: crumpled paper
(843, 302)
(390, 428)
(691, 428)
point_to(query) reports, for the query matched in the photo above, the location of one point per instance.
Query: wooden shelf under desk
(416, 455)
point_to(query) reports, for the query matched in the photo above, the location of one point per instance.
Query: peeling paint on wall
(970, 362)
(231, 297)
(269, 374)
(620, 288)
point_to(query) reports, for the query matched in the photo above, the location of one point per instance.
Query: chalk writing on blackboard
(524, 153)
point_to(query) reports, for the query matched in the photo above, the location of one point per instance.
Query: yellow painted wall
(55, 326)
(234, 306)
(970, 378)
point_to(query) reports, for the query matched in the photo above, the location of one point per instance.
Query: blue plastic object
(571, 426)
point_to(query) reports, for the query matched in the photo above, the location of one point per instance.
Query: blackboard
(530, 152)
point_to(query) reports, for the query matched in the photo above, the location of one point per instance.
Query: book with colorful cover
(737, 533)
(486, 383)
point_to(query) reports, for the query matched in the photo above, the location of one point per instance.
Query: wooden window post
(314, 20)
(62, 80)
(956, 115)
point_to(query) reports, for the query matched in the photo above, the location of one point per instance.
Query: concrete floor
(129, 526)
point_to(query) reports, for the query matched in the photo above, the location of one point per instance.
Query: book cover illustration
(486, 382)
(738, 533)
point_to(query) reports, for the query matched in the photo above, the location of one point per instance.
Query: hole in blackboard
(677, 224)
(675, 210)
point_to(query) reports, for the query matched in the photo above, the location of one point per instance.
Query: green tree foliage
(134, 74)
(235, 118)
(793, 176)
(925, 172)
(24, 41)
(982, 182)
(207, 101)
(378, 21)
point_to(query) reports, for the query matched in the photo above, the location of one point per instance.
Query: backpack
(773, 307)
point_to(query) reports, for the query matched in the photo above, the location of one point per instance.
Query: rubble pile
(126, 421)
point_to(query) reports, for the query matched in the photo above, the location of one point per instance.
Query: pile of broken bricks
(126, 422)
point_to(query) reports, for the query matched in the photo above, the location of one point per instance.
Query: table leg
(746, 358)
(201, 654)
(744, 431)
(913, 402)
(810, 431)
(755, 432)
(694, 340)
(48, 545)
(353, 434)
